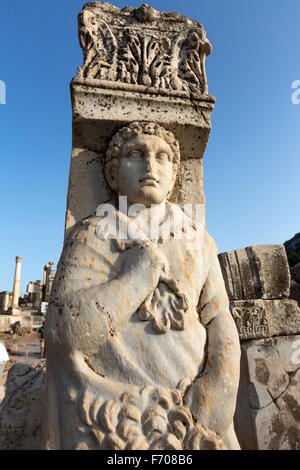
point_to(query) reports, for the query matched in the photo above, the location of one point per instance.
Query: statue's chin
(147, 196)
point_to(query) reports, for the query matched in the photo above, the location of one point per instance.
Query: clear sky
(251, 165)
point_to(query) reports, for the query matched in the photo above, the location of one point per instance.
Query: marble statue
(142, 351)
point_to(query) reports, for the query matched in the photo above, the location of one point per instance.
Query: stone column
(47, 270)
(5, 301)
(16, 289)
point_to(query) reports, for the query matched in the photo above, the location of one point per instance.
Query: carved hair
(133, 130)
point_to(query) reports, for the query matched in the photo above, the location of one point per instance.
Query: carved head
(142, 162)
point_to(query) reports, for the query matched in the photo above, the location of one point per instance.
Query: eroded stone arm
(212, 396)
(82, 309)
(119, 298)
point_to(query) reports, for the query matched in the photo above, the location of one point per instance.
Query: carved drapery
(148, 419)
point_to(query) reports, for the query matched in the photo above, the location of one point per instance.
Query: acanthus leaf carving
(144, 60)
(192, 65)
(139, 55)
(99, 47)
(251, 322)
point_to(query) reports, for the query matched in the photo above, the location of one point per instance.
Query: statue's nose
(150, 162)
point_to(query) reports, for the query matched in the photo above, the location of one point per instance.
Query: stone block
(260, 318)
(268, 411)
(256, 272)
(5, 322)
(21, 411)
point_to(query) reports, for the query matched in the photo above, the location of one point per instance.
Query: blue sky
(251, 165)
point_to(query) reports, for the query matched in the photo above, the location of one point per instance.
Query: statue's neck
(145, 216)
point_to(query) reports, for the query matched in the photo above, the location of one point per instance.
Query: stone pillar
(47, 270)
(257, 280)
(109, 92)
(5, 300)
(16, 289)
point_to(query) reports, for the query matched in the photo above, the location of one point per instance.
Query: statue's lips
(149, 181)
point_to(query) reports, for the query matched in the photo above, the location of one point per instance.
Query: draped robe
(113, 381)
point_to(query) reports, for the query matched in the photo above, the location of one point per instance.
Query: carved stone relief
(150, 419)
(251, 322)
(134, 49)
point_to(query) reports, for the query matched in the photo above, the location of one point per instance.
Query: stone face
(265, 318)
(268, 413)
(256, 272)
(21, 410)
(139, 318)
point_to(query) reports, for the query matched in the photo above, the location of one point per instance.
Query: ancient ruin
(153, 340)
(257, 280)
(27, 310)
(149, 353)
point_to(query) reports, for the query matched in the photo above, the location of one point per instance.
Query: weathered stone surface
(21, 410)
(143, 47)
(268, 411)
(256, 272)
(119, 83)
(265, 318)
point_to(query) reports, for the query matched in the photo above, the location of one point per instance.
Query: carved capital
(143, 46)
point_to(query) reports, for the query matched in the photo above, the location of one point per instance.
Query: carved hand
(144, 256)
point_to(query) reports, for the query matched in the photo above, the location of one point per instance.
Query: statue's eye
(163, 157)
(135, 155)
